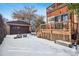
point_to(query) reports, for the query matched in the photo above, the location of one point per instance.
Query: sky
(6, 9)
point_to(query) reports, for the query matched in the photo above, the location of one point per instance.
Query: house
(18, 27)
(60, 23)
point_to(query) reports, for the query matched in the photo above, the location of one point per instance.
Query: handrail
(56, 23)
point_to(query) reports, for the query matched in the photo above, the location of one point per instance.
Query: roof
(17, 23)
(50, 5)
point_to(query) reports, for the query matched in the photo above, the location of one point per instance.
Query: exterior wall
(59, 10)
(61, 34)
(58, 34)
(50, 32)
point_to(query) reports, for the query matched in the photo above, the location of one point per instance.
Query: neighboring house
(18, 27)
(61, 21)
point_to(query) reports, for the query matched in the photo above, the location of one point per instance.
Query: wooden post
(69, 30)
(51, 32)
(40, 31)
(63, 34)
(70, 25)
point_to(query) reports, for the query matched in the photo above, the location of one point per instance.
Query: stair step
(64, 43)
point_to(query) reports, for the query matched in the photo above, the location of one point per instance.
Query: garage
(19, 27)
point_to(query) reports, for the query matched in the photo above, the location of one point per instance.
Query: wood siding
(50, 32)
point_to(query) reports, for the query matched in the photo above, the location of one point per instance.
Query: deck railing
(56, 31)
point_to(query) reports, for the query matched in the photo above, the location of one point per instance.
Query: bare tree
(40, 20)
(27, 13)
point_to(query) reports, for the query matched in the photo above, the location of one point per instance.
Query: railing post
(51, 32)
(69, 30)
(63, 32)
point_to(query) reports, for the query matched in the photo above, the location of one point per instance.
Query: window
(58, 19)
(65, 21)
(65, 17)
(61, 21)
(52, 19)
(58, 24)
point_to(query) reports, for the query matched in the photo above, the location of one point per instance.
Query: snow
(33, 46)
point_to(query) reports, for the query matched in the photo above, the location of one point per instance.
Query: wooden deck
(55, 34)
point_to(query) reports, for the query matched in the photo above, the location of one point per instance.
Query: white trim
(19, 24)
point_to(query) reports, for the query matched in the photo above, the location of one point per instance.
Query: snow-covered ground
(33, 46)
